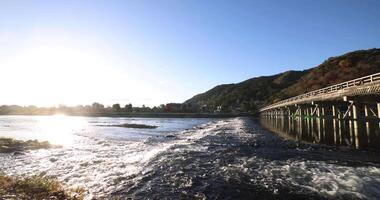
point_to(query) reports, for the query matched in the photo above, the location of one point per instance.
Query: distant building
(181, 108)
(173, 107)
(207, 108)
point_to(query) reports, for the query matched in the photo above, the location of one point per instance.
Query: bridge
(353, 104)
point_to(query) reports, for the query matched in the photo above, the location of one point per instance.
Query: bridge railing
(330, 89)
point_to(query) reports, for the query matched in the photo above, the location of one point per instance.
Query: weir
(343, 114)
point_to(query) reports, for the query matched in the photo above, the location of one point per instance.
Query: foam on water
(329, 180)
(232, 161)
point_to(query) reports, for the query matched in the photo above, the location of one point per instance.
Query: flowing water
(187, 159)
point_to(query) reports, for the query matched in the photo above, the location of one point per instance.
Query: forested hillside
(268, 89)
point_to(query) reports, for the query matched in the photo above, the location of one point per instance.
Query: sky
(160, 51)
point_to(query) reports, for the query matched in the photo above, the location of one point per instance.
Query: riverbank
(10, 145)
(31, 187)
(36, 188)
(141, 115)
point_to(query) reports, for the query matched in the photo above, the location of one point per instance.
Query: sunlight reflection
(60, 129)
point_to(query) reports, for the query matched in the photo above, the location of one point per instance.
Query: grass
(32, 187)
(36, 187)
(9, 145)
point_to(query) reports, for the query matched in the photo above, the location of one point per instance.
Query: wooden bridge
(350, 105)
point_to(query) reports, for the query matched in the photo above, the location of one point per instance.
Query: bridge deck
(368, 85)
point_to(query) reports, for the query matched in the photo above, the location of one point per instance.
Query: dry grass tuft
(36, 187)
(9, 145)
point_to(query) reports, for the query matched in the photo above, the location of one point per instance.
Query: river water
(187, 159)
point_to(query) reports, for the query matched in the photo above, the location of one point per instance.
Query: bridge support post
(367, 120)
(319, 125)
(350, 126)
(335, 124)
(308, 118)
(300, 122)
(312, 118)
(356, 113)
(323, 119)
(359, 134)
(378, 112)
(289, 118)
(340, 115)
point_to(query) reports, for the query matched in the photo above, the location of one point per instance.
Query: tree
(116, 107)
(97, 106)
(249, 106)
(128, 108)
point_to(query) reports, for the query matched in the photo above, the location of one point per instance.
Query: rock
(142, 126)
(18, 153)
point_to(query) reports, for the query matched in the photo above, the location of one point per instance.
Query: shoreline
(36, 187)
(139, 115)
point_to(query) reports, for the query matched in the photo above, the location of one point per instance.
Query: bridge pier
(368, 125)
(349, 121)
(308, 123)
(356, 113)
(360, 117)
(336, 124)
(345, 113)
(378, 116)
(300, 120)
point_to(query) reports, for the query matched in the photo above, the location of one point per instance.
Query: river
(187, 159)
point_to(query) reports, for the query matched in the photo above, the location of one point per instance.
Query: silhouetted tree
(116, 107)
(97, 106)
(128, 108)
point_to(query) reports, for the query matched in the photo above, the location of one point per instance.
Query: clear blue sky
(159, 51)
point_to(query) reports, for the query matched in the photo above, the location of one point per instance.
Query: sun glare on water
(60, 129)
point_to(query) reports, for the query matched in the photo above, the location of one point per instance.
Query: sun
(60, 129)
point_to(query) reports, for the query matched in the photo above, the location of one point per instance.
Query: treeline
(96, 109)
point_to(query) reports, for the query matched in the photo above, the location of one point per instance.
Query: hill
(268, 89)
